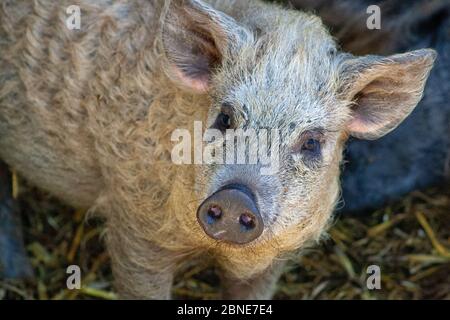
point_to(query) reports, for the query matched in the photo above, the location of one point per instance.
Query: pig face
(289, 81)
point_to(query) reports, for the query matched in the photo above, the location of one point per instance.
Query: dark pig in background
(416, 154)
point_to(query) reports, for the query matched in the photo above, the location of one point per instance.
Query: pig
(89, 116)
(384, 170)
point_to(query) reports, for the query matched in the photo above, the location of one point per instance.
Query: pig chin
(244, 264)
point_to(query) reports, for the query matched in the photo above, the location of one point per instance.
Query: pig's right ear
(195, 39)
(384, 90)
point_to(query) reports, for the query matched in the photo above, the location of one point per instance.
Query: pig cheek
(296, 212)
(299, 200)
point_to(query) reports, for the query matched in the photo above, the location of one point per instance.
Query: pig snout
(231, 215)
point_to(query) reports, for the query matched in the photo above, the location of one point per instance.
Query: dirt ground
(409, 240)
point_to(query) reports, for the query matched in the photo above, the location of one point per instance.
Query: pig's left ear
(384, 90)
(195, 39)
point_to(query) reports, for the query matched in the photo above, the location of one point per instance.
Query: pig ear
(195, 39)
(384, 90)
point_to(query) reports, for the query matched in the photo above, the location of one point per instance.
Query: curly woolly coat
(88, 114)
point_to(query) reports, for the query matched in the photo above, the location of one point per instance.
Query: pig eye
(224, 119)
(309, 146)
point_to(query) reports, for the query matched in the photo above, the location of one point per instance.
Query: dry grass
(409, 240)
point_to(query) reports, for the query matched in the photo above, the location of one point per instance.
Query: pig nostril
(247, 221)
(214, 213)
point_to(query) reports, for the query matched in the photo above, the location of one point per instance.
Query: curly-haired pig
(89, 115)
